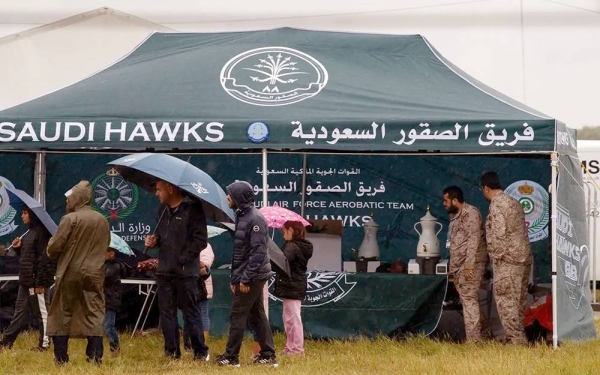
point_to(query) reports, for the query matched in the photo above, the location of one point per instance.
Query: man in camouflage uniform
(468, 258)
(510, 253)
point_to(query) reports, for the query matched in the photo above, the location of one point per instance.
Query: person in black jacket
(181, 234)
(202, 296)
(250, 269)
(36, 276)
(114, 270)
(292, 290)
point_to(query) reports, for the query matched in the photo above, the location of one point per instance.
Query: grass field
(420, 355)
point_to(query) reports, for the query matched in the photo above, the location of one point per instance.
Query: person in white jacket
(207, 257)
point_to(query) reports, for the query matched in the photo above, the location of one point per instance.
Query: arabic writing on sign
(291, 187)
(131, 229)
(485, 138)
(316, 297)
(336, 134)
(501, 140)
(324, 172)
(488, 137)
(426, 134)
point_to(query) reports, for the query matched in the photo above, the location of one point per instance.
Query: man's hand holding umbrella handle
(150, 241)
(39, 290)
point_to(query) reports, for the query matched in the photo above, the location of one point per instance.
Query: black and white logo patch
(273, 76)
(255, 228)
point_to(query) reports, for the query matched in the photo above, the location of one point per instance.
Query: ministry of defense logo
(7, 212)
(536, 203)
(273, 76)
(322, 288)
(114, 197)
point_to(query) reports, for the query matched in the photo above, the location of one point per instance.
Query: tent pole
(554, 216)
(303, 192)
(264, 177)
(39, 183)
(265, 204)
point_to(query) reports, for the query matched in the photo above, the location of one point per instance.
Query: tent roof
(343, 86)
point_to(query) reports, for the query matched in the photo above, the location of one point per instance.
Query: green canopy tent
(309, 92)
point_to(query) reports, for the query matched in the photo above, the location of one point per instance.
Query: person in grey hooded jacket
(250, 270)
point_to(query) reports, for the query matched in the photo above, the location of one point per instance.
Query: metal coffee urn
(369, 249)
(428, 248)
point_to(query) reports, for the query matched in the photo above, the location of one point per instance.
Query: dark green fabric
(17, 171)
(566, 140)
(343, 306)
(396, 82)
(575, 316)
(411, 183)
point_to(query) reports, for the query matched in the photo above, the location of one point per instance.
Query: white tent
(519, 47)
(47, 58)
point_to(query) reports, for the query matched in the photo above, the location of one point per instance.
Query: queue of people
(87, 276)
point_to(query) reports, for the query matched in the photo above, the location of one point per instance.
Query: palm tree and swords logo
(273, 76)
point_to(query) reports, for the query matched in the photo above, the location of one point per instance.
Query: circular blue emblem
(257, 132)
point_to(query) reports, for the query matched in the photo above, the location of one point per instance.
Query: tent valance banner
(279, 89)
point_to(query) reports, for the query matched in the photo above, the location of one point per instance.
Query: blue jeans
(110, 331)
(204, 315)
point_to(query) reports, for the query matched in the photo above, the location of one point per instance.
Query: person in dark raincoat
(36, 276)
(115, 269)
(79, 244)
(250, 270)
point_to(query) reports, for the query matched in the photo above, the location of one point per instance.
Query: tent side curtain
(565, 140)
(575, 318)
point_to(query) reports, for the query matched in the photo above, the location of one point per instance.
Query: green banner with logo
(16, 171)
(396, 190)
(348, 305)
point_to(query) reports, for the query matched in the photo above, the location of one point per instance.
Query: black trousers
(26, 304)
(247, 309)
(94, 349)
(180, 292)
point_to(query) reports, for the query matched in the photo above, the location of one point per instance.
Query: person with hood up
(79, 244)
(292, 290)
(36, 276)
(250, 270)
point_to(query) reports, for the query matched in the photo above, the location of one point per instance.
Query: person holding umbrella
(181, 234)
(36, 276)
(189, 196)
(250, 270)
(79, 244)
